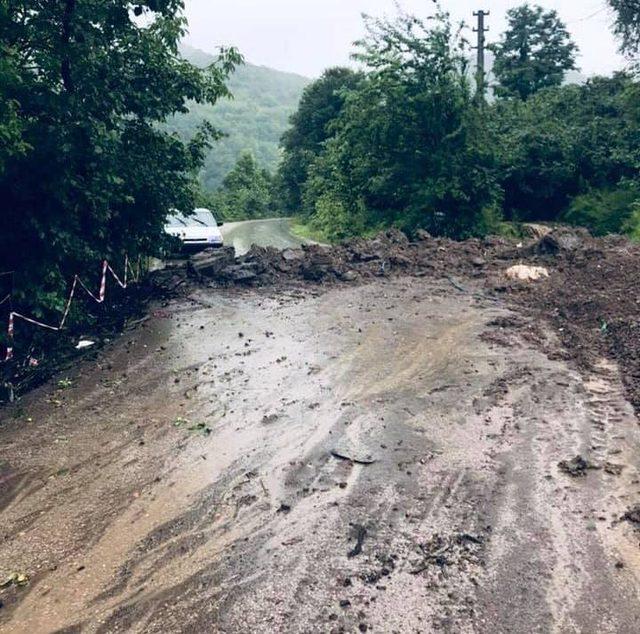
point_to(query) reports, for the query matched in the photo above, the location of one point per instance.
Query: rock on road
(379, 458)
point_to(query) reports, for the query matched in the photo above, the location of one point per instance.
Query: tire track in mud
(573, 585)
(463, 521)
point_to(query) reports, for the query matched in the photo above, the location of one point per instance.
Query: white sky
(307, 36)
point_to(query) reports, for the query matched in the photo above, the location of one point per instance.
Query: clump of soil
(633, 516)
(576, 467)
(593, 299)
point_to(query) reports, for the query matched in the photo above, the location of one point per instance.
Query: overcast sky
(307, 36)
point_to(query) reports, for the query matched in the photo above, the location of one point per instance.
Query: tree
(10, 127)
(90, 174)
(535, 52)
(320, 105)
(409, 146)
(627, 25)
(565, 142)
(246, 191)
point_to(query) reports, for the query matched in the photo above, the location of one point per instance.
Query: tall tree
(535, 52)
(91, 174)
(320, 105)
(627, 25)
(246, 191)
(10, 125)
(408, 147)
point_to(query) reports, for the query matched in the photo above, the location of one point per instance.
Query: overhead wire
(602, 9)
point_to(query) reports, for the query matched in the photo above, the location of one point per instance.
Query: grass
(305, 230)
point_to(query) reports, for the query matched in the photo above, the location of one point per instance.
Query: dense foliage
(627, 24)
(409, 146)
(535, 52)
(245, 193)
(85, 171)
(566, 141)
(321, 103)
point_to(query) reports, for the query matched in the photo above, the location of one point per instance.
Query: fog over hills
(253, 120)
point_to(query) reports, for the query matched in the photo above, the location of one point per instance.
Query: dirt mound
(388, 253)
(591, 295)
(592, 298)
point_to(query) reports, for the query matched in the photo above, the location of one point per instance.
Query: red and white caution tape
(106, 267)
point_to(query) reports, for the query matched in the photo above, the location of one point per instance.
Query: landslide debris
(593, 299)
(391, 252)
(592, 294)
(388, 253)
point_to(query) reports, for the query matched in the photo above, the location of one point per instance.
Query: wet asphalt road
(273, 232)
(379, 457)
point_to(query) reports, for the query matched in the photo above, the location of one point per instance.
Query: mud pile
(593, 299)
(592, 295)
(391, 252)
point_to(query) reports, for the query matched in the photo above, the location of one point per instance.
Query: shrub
(605, 211)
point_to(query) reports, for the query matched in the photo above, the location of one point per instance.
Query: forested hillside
(254, 120)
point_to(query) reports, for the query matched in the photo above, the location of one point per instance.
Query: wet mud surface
(377, 457)
(273, 232)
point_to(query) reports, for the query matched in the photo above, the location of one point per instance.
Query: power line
(592, 15)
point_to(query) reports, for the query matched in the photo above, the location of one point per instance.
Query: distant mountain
(254, 120)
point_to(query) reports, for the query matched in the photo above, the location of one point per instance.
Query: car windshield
(204, 217)
(200, 218)
(176, 222)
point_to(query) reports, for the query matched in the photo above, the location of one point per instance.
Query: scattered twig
(360, 536)
(342, 456)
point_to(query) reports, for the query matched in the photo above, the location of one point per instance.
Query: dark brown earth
(376, 448)
(593, 301)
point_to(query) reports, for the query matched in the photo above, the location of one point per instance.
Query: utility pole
(480, 74)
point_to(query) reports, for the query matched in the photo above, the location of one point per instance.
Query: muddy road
(379, 457)
(271, 232)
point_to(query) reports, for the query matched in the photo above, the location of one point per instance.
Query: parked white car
(198, 231)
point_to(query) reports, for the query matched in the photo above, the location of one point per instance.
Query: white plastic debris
(85, 343)
(526, 273)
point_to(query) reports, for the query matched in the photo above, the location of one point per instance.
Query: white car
(198, 231)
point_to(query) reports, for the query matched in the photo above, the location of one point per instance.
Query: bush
(606, 210)
(632, 225)
(334, 220)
